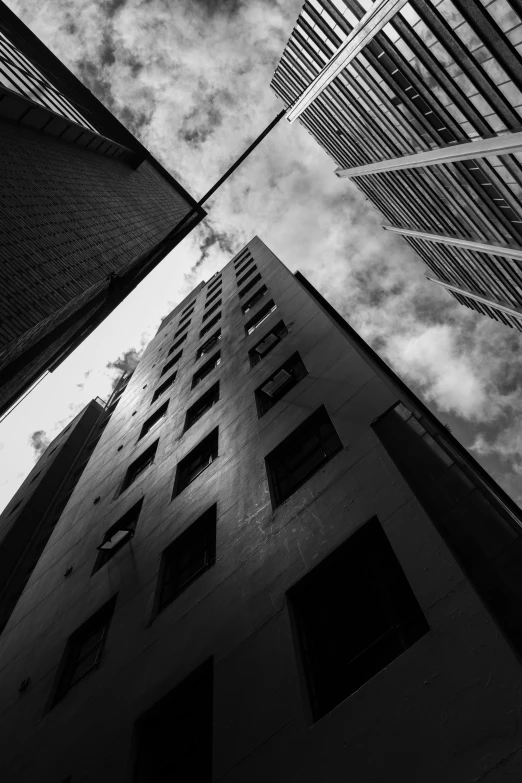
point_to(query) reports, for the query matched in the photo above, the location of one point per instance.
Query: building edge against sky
(86, 210)
(277, 564)
(420, 104)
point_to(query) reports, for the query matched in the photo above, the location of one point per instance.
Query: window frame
(157, 416)
(212, 439)
(254, 299)
(293, 361)
(253, 354)
(260, 317)
(128, 521)
(127, 482)
(175, 359)
(162, 388)
(255, 280)
(193, 415)
(207, 345)
(210, 325)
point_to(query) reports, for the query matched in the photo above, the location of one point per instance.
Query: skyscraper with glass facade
(85, 210)
(420, 104)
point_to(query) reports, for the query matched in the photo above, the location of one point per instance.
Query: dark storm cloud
(39, 441)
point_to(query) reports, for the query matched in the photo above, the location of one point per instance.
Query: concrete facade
(445, 709)
(81, 201)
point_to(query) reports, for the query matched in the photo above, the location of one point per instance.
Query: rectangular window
(241, 280)
(213, 309)
(185, 317)
(178, 343)
(208, 345)
(212, 298)
(241, 257)
(174, 738)
(255, 280)
(163, 388)
(189, 306)
(189, 556)
(259, 294)
(175, 359)
(267, 343)
(196, 462)
(241, 267)
(213, 285)
(206, 369)
(152, 420)
(345, 642)
(210, 325)
(314, 443)
(181, 330)
(84, 650)
(118, 535)
(260, 316)
(140, 464)
(280, 382)
(201, 406)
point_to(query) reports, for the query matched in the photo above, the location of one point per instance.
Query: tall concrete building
(420, 104)
(85, 210)
(276, 565)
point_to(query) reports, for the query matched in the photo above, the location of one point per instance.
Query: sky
(191, 81)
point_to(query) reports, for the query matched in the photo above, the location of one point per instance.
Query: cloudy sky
(191, 80)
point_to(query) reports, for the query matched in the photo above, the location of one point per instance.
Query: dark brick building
(85, 210)
(284, 568)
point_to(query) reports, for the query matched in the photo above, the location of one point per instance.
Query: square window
(255, 280)
(267, 343)
(206, 369)
(259, 294)
(279, 383)
(163, 388)
(201, 406)
(208, 345)
(84, 651)
(247, 274)
(118, 535)
(174, 738)
(210, 325)
(152, 420)
(260, 316)
(314, 443)
(187, 558)
(354, 614)
(196, 462)
(175, 359)
(140, 464)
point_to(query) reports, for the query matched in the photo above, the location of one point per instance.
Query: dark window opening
(187, 558)
(260, 316)
(174, 738)
(84, 650)
(191, 305)
(241, 280)
(354, 614)
(208, 345)
(206, 369)
(175, 359)
(201, 406)
(259, 294)
(242, 257)
(210, 325)
(314, 443)
(196, 462)
(255, 280)
(179, 342)
(267, 343)
(185, 317)
(280, 382)
(118, 535)
(182, 329)
(213, 298)
(483, 535)
(163, 388)
(213, 285)
(152, 420)
(212, 310)
(240, 269)
(139, 465)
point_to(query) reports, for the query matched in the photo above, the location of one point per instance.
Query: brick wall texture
(68, 217)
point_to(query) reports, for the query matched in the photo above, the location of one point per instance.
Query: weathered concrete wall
(446, 709)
